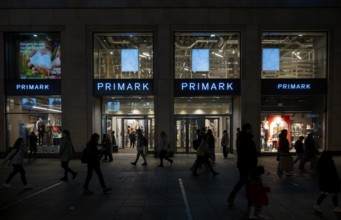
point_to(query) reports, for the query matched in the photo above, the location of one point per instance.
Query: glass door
(186, 134)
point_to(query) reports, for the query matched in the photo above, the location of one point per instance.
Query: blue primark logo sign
(122, 87)
(33, 87)
(294, 87)
(206, 87)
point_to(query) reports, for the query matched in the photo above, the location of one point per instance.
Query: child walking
(257, 192)
(329, 181)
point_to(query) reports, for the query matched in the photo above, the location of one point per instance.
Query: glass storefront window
(199, 105)
(128, 105)
(41, 115)
(123, 55)
(297, 123)
(33, 55)
(294, 55)
(207, 55)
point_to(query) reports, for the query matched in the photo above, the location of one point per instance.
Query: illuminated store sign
(122, 87)
(33, 87)
(294, 86)
(204, 87)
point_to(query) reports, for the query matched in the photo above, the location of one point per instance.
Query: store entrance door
(186, 133)
(186, 127)
(125, 131)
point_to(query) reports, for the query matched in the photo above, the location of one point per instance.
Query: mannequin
(49, 133)
(40, 126)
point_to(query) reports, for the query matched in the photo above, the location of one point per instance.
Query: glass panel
(197, 106)
(128, 105)
(297, 123)
(181, 135)
(46, 127)
(33, 55)
(113, 56)
(223, 53)
(301, 55)
(34, 104)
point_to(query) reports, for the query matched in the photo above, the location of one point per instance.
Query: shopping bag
(286, 163)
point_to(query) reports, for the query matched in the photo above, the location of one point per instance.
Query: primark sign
(122, 87)
(206, 87)
(33, 87)
(294, 87)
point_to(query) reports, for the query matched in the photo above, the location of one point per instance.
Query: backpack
(145, 142)
(84, 156)
(196, 144)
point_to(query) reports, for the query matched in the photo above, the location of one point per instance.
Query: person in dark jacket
(93, 164)
(329, 181)
(211, 145)
(247, 159)
(310, 150)
(66, 153)
(299, 147)
(283, 149)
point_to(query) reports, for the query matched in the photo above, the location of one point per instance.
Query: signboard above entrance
(107, 87)
(294, 87)
(206, 87)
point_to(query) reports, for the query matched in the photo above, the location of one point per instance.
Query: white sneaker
(317, 208)
(7, 185)
(337, 209)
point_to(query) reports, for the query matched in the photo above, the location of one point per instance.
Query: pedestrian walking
(310, 151)
(93, 164)
(16, 158)
(132, 137)
(224, 144)
(106, 149)
(247, 159)
(329, 181)
(163, 148)
(66, 154)
(299, 147)
(33, 139)
(283, 149)
(203, 156)
(257, 193)
(211, 145)
(140, 148)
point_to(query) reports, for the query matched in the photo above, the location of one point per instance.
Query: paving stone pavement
(154, 193)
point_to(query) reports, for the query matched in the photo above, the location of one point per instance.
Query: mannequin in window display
(49, 136)
(40, 126)
(266, 132)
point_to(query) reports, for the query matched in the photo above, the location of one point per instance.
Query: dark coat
(93, 154)
(310, 150)
(247, 152)
(299, 146)
(329, 180)
(283, 147)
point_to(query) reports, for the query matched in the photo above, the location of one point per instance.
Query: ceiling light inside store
(47, 109)
(212, 35)
(34, 35)
(217, 54)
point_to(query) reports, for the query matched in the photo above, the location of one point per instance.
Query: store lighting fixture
(297, 54)
(212, 35)
(146, 54)
(35, 35)
(217, 54)
(111, 53)
(47, 109)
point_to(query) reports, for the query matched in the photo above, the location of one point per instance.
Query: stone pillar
(251, 79)
(163, 78)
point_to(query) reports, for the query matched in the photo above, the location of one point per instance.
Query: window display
(123, 56)
(40, 115)
(294, 55)
(298, 124)
(201, 55)
(34, 55)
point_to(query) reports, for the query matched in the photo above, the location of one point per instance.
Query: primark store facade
(112, 67)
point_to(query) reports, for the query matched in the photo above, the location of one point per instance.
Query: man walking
(246, 159)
